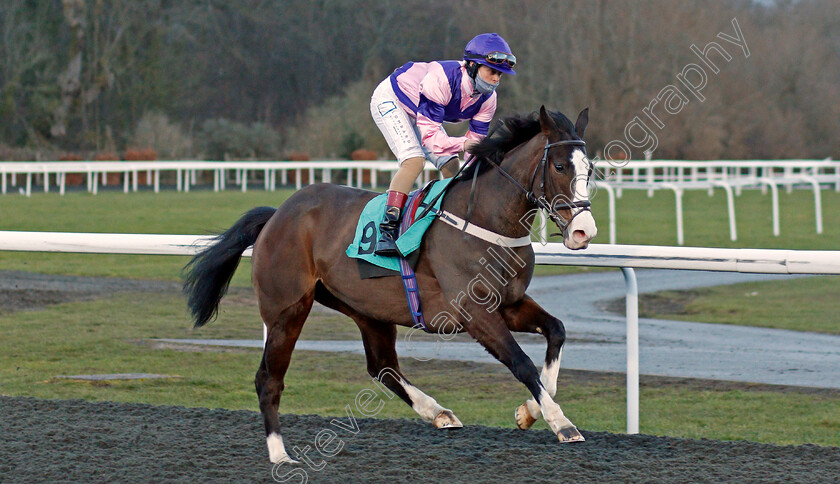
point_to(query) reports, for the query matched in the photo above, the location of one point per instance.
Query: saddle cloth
(367, 230)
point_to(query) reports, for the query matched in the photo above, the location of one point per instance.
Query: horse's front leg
(491, 331)
(528, 317)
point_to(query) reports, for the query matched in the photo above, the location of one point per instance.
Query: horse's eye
(561, 167)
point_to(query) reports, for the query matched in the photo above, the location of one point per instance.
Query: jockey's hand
(469, 145)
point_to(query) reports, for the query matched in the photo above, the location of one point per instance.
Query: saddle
(412, 227)
(415, 220)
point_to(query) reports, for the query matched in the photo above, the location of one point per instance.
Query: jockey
(410, 106)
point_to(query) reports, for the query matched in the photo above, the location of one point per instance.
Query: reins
(540, 201)
(434, 200)
(472, 194)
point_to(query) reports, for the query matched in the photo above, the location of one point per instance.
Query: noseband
(541, 201)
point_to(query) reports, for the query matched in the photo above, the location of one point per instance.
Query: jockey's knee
(450, 168)
(413, 165)
(405, 177)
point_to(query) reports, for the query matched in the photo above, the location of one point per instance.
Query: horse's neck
(498, 204)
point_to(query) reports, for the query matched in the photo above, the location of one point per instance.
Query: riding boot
(390, 225)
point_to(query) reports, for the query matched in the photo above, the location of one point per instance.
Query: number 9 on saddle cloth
(411, 231)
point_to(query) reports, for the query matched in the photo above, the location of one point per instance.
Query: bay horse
(299, 257)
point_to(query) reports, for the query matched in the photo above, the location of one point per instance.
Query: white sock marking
(552, 413)
(276, 450)
(548, 377)
(424, 405)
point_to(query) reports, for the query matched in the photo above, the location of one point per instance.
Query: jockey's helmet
(492, 51)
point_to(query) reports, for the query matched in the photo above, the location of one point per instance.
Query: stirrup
(386, 248)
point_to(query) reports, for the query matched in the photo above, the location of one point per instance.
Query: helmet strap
(472, 71)
(472, 68)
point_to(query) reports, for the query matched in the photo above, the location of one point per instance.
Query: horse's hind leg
(380, 349)
(528, 317)
(283, 330)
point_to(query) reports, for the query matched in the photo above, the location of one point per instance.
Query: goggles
(498, 58)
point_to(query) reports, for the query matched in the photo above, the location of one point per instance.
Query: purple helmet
(492, 51)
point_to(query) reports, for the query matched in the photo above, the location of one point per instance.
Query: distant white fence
(626, 175)
(676, 176)
(186, 173)
(625, 257)
(731, 176)
(738, 173)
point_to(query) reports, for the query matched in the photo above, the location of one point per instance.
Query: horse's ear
(582, 121)
(546, 122)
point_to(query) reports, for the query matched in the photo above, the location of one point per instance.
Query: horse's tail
(207, 276)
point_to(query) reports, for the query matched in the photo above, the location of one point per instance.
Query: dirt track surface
(28, 290)
(78, 441)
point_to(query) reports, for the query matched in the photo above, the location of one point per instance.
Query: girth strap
(483, 234)
(412, 290)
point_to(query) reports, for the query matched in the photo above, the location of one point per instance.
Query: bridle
(541, 201)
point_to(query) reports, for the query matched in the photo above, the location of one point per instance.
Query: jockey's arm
(480, 123)
(435, 139)
(436, 93)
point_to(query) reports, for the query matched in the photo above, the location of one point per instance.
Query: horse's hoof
(570, 434)
(523, 417)
(447, 420)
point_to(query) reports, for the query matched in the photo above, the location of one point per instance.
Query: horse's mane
(507, 134)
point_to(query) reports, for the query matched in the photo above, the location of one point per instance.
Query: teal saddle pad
(367, 230)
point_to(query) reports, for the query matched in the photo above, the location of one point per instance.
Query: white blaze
(583, 222)
(581, 164)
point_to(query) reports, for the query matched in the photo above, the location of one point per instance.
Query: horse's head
(565, 171)
(544, 157)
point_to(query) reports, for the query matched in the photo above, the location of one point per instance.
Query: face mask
(483, 86)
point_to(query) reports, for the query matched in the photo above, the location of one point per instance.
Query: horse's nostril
(579, 236)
